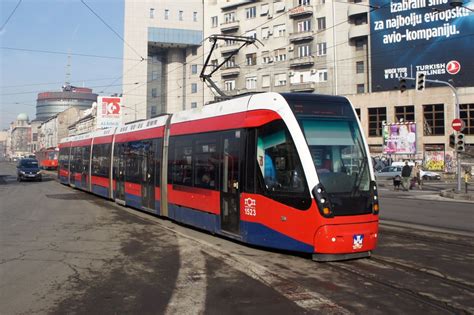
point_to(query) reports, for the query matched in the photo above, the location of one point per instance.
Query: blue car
(28, 169)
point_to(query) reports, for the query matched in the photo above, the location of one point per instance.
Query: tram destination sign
(430, 36)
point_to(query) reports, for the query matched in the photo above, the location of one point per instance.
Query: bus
(288, 171)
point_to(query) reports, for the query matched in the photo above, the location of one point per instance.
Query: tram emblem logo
(358, 241)
(250, 207)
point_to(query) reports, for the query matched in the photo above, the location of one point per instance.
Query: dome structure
(22, 117)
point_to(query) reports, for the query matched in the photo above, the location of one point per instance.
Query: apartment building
(308, 45)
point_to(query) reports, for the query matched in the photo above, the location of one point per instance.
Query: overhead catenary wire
(110, 27)
(11, 15)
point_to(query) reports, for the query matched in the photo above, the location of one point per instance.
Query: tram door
(119, 171)
(230, 182)
(148, 174)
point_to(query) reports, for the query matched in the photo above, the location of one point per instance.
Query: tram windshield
(337, 149)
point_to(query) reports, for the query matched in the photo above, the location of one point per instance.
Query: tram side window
(64, 158)
(101, 160)
(206, 162)
(86, 152)
(134, 161)
(181, 160)
(279, 166)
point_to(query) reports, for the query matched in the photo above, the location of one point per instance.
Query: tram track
(397, 287)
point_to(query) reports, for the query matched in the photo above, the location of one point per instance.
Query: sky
(59, 26)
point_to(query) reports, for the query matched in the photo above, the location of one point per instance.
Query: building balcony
(359, 8)
(356, 31)
(229, 48)
(230, 26)
(303, 87)
(300, 36)
(301, 11)
(230, 72)
(302, 61)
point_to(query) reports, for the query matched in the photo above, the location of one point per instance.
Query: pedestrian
(419, 179)
(406, 175)
(467, 177)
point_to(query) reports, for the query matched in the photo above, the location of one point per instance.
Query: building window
(466, 112)
(180, 15)
(280, 79)
(279, 30)
(195, 16)
(252, 34)
(265, 81)
(153, 111)
(360, 43)
(167, 14)
(194, 104)
(154, 93)
(194, 87)
(433, 120)
(377, 116)
(360, 19)
(154, 75)
(229, 17)
(251, 12)
(230, 63)
(280, 54)
(322, 49)
(251, 83)
(304, 51)
(266, 57)
(304, 2)
(405, 113)
(194, 51)
(214, 21)
(229, 85)
(194, 69)
(359, 67)
(321, 23)
(264, 9)
(360, 88)
(152, 13)
(251, 59)
(265, 32)
(322, 75)
(358, 112)
(304, 26)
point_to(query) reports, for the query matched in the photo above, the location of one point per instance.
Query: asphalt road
(66, 251)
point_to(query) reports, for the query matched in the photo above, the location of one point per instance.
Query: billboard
(399, 138)
(109, 112)
(430, 36)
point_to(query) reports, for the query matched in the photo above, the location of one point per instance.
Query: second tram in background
(286, 171)
(48, 158)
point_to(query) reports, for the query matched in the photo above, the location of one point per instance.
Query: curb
(454, 195)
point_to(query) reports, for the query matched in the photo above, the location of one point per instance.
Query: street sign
(458, 124)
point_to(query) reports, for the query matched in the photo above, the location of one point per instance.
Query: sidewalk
(451, 193)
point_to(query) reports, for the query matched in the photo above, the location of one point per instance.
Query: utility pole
(456, 115)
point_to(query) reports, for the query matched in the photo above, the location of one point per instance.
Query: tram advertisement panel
(420, 35)
(399, 138)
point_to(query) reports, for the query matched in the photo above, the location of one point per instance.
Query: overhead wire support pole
(207, 78)
(456, 115)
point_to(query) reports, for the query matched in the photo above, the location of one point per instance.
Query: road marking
(189, 295)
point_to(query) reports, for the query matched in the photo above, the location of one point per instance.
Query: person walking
(467, 177)
(419, 179)
(406, 175)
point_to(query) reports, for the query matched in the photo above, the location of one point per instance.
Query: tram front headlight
(374, 199)
(323, 201)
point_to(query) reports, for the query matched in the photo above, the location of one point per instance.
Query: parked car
(389, 172)
(429, 175)
(28, 169)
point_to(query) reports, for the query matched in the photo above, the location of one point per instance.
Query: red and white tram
(287, 171)
(48, 158)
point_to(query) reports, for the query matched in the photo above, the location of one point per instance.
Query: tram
(286, 171)
(48, 158)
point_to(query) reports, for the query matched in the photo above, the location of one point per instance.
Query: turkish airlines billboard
(109, 112)
(421, 35)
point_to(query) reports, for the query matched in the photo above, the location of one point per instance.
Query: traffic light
(402, 84)
(452, 140)
(460, 142)
(420, 81)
